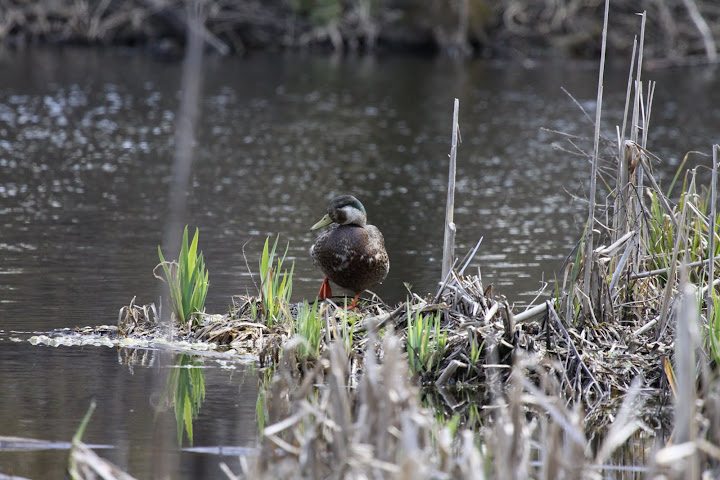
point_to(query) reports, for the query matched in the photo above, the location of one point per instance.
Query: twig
(572, 346)
(468, 258)
(621, 264)
(449, 242)
(660, 271)
(444, 284)
(448, 372)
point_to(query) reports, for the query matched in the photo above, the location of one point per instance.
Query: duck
(349, 252)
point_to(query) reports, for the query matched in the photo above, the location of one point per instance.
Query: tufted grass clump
(308, 328)
(275, 287)
(425, 342)
(188, 281)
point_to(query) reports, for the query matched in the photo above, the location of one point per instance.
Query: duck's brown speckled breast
(353, 257)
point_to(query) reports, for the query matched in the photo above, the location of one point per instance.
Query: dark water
(86, 140)
(46, 392)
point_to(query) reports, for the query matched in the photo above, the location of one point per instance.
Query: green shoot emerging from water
(188, 281)
(275, 289)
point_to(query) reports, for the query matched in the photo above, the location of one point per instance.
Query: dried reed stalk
(449, 240)
(589, 261)
(713, 224)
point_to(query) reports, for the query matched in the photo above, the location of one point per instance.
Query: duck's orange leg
(352, 306)
(325, 290)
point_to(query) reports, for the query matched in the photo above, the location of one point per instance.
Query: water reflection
(85, 156)
(185, 392)
(46, 392)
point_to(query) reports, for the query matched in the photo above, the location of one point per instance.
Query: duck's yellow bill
(324, 222)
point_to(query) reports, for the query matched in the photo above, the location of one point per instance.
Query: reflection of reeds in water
(185, 391)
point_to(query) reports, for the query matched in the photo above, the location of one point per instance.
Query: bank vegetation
(677, 30)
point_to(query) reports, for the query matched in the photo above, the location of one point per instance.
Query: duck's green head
(343, 210)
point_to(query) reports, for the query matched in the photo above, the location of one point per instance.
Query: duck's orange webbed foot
(352, 306)
(325, 290)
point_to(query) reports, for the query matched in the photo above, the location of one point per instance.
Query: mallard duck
(350, 252)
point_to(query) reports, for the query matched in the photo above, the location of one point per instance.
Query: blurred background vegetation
(679, 30)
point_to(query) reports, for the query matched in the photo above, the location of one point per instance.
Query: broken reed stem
(660, 271)
(648, 110)
(593, 169)
(667, 294)
(635, 123)
(622, 188)
(711, 241)
(628, 94)
(449, 242)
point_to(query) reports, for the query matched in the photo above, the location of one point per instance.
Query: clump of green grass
(347, 330)
(187, 279)
(662, 230)
(476, 348)
(275, 288)
(426, 343)
(308, 328)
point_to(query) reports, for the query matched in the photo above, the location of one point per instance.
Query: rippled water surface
(86, 144)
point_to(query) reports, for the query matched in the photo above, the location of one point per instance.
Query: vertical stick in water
(185, 128)
(593, 172)
(449, 243)
(165, 461)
